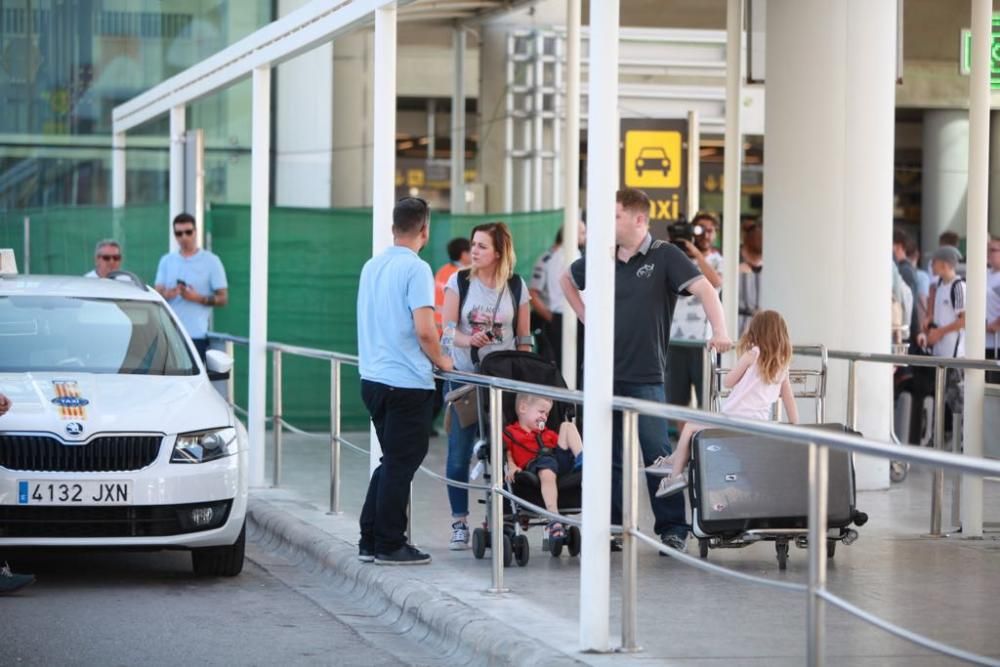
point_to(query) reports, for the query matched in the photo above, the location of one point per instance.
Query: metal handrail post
(937, 488)
(707, 378)
(276, 410)
(334, 436)
(496, 500)
(630, 515)
(818, 483)
(230, 349)
(852, 394)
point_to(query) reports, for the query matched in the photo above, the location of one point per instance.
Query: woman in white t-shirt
(484, 325)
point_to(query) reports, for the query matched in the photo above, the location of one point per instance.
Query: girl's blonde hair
(767, 330)
(503, 243)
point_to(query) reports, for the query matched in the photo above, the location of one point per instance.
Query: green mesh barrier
(62, 239)
(315, 258)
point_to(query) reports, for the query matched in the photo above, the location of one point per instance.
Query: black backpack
(513, 285)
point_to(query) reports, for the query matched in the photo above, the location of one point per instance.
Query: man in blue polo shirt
(649, 276)
(397, 344)
(192, 281)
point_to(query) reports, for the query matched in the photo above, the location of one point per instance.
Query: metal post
(260, 175)
(178, 125)
(276, 413)
(956, 477)
(630, 516)
(707, 378)
(732, 159)
(334, 436)
(818, 482)
(693, 165)
(852, 394)
(602, 149)
(458, 123)
(976, 225)
(937, 489)
(27, 245)
(117, 183)
(496, 500)
(383, 154)
(231, 380)
(571, 181)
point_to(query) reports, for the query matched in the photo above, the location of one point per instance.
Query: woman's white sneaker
(459, 536)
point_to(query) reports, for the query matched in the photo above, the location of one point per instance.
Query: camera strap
(493, 318)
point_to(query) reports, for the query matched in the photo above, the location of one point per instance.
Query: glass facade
(65, 64)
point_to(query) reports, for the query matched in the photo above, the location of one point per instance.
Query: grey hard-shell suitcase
(743, 482)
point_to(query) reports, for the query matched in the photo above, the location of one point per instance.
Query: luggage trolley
(736, 497)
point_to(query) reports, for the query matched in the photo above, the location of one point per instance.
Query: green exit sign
(966, 56)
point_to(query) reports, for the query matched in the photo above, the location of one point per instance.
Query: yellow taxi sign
(653, 159)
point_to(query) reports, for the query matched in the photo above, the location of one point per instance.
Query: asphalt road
(109, 608)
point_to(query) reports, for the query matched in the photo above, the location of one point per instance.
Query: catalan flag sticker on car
(71, 404)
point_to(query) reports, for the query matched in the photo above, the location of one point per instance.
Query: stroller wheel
(521, 549)
(703, 547)
(556, 546)
(508, 554)
(781, 551)
(573, 541)
(479, 541)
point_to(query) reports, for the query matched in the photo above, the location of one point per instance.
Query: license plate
(88, 492)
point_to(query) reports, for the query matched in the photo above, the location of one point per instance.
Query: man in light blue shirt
(397, 344)
(192, 281)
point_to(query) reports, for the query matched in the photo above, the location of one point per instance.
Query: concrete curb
(455, 626)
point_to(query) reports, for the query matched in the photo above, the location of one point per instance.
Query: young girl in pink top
(759, 377)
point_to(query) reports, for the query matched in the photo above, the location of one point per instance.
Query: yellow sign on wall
(653, 159)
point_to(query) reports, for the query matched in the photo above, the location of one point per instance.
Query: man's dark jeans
(669, 511)
(402, 419)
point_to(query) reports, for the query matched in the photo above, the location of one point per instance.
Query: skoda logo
(70, 401)
(74, 428)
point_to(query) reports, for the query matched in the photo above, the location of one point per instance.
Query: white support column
(694, 165)
(384, 130)
(117, 182)
(976, 238)
(571, 179)
(457, 122)
(178, 125)
(732, 163)
(828, 209)
(260, 174)
(602, 182)
(944, 175)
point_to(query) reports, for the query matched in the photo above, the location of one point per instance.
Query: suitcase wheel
(703, 547)
(781, 550)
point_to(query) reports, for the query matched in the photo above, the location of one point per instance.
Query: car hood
(75, 406)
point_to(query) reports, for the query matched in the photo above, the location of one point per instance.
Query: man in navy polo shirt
(397, 343)
(649, 276)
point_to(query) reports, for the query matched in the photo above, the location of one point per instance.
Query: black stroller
(526, 367)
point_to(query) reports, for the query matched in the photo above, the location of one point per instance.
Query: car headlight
(641, 163)
(204, 446)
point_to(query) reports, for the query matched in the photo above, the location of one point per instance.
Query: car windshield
(58, 333)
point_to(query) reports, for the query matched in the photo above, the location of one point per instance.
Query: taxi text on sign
(654, 154)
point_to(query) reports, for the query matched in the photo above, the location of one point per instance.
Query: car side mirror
(219, 364)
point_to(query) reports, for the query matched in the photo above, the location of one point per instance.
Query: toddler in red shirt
(533, 447)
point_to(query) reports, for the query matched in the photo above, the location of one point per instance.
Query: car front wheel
(220, 561)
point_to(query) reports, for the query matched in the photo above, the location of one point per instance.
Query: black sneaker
(10, 582)
(404, 555)
(616, 544)
(365, 554)
(674, 541)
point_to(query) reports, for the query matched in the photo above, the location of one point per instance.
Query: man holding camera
(649, 276)
(192, 281)
(690, 323)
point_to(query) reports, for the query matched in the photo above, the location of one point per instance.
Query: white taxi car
(116, 436)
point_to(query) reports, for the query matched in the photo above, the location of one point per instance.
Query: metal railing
(940, 366)
(817, 440)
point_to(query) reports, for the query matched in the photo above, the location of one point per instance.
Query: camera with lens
(681, 231)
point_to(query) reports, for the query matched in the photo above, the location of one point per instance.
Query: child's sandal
(556, 530)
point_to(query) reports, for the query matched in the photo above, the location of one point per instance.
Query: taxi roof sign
(8, 263)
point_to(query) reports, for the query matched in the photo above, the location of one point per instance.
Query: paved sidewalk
(947, 588)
